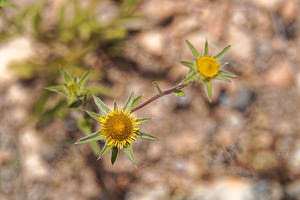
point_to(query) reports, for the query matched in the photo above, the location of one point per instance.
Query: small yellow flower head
(72, 88)
(205, 68)
(119, 128)
(208, 66)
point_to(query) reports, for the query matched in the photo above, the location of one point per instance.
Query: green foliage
(72, 37)
(105, 149)
(91, 137)
(73, 89)
(179, 93)
(193, 50)
(101, 106)
(128, 151)
(146, 136)
(85, 126)
(219, 55)
(7, 3)
(114, 154)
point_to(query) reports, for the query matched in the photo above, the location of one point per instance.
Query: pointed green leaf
(188, 64)
(157, 87)
(179, 93)
(219, 55)
(205, 49)
(220, 77)
(83, 79)
(71, 99)
(136, 101)
(199, 78)
(190, 77)
(85, 126)
(93, 115)
(114, 154)
(228, 74)
(129, 153)
(142, 120)
(101, 106)
(91, 137)
(66, 76)
(208, 88)
(129, 102)
(193, 49)
(146, 136)
(57, 88)
(105, 149)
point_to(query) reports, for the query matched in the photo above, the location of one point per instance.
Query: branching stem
(163, 93)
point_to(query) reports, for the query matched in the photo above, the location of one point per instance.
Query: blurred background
(244, 145)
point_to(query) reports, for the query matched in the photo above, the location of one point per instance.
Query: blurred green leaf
(71, 98)
(142, 120)
(23, 70)
(228, 74)
(86, 127)
(190, 77)
(199, 78)
(7, 3)
(189, 64)
(219, 55)
(57, 88)
(135, 102)
(193, 50)
(128, 6)
(105, 149)
(220, 77)
(205, 49)
(157, 87)
(91, 137)
(129, 153)
(114, 154)
(83, 79)
(179, 93)
(51, 113)
(101, 106)
(97, 89)
(93, 115)
(208, 87)
(129, 102)
(146, 136)
(66, 76)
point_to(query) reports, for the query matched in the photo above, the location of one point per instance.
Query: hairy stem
(163, 93)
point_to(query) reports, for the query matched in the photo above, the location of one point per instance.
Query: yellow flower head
(205, 68)
(72, 88)
(208, 66)
(119, 128)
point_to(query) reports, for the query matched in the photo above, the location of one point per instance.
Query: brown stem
(165, 92)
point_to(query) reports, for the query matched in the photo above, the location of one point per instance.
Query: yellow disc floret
(72, 88)
(208, 66)
(119, 128)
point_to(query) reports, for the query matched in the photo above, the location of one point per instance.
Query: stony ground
(243, 145)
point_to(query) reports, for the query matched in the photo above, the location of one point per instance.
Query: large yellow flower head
(205, 68)
(119, 129)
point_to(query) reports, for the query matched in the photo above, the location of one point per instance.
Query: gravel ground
(244, 145)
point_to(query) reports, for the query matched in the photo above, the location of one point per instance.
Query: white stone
(14, 50)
